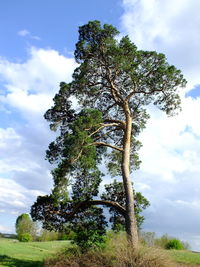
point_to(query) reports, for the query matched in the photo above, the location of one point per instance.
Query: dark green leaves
(115, 191)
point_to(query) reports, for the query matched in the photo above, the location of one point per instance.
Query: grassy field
(18, 254)
(186, 258)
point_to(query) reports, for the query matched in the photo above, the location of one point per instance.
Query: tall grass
(118, 253)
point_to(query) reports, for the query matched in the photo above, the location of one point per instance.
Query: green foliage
(174, 244)
(23, 216)
(115, 192)
(89, 227)
(164, 242)
(25, 237)
(69, 235)
(49, 235)
(25, 228)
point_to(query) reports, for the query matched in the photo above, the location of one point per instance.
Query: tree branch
(108, 145)
(87, 203)
(103, 125)
(78, 156)
(122, 123)
(132, 93)
(115, 93)
(148, 93)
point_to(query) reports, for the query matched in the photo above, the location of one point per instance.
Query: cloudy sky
(36, 53)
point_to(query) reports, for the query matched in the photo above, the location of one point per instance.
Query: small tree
(113, 84)
(25, 228)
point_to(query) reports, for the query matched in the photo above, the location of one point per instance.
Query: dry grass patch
(118, 253)
(143, 256)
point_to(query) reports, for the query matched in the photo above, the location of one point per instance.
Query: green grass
(18, 254)
(185, 257)
(32, 254)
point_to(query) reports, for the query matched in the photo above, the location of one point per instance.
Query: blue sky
(54, 22)
(36, 53)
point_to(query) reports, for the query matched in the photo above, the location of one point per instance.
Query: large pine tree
(112, 85)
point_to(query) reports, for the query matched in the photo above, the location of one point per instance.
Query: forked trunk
(131, 226)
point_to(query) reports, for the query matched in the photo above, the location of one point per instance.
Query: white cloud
(14, 197)
(167, 26)
(27, 90)
(26, 33)
(32, 84)
(23, 32)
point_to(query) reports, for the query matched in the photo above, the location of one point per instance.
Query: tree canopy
(25, 228)
(113, 85)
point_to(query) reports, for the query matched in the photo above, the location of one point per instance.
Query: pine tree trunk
(131, 226)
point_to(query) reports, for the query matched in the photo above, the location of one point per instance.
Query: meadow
(185, 258)
(32, 254)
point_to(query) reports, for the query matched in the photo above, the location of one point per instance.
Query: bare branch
(108, 145)
(119, 122)
(115, 93)
(112, 123)
(78, 156)
(105, 134)
(148, 93)
(87, 203)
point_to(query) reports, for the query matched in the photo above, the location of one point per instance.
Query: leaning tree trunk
(131, 226)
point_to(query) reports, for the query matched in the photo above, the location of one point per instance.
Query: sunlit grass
(186, 257)
(14, 253)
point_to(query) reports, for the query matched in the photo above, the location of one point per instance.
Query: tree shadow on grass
(12, 262)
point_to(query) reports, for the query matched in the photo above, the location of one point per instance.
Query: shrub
(69, 235)
(89, 259)
(117, 253)
(168, 242)
(25, 237)
(141, 257)
(90, 229)
(174, 244)
(87, 239)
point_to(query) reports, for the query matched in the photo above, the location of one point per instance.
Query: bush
(89, 227)
(174, 244)
(26, 237)
(117, 253)
(69, 235)
(168, 242)
(87, 239)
